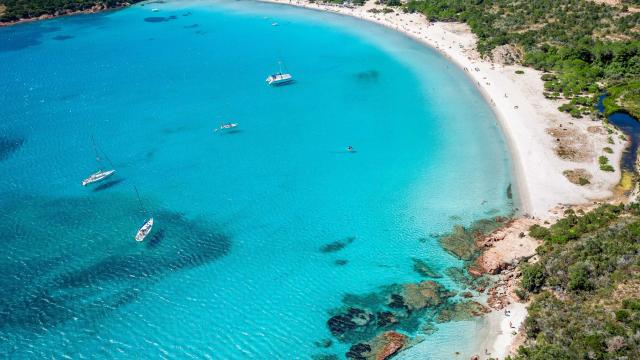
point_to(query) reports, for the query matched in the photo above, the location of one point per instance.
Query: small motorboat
(97, 176)
(274, 24)
(155, 10)
(144, 230)
(227, 126)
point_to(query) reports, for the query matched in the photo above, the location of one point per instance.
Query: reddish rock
(387, 344)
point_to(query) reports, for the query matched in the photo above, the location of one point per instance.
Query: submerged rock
(423, 269)
(424, 294)
(461, 242)
(359, 351)
(8, 146)
(345, 322)
(325, 357)
(337, 245)
(396, 301)
(386, 318)
(429, 328)
(464, 310)
(324, 343)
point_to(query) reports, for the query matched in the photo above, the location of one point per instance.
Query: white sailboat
(279, 78)
(100, 174)
(97, 176)
(226, 126)
(146, 228)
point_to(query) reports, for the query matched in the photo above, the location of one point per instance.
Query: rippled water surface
(261, 233)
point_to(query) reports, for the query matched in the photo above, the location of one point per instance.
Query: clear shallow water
(234, 269)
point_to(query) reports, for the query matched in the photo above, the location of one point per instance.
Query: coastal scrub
(585, 287)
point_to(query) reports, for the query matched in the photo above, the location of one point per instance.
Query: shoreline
(529, 123)
(93, 10)
(527, 119)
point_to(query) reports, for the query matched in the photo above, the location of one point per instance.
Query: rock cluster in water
(372, 322)
(461, 242)
(381, 347)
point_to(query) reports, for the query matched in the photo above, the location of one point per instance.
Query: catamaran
(226, 126)
(144, 230)
(100, 174)
(279, 78)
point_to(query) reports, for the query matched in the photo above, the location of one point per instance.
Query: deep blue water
(234, 268)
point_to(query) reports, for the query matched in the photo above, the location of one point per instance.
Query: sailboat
(279, 78)
(226, 126)
(144, 230)
(100, 174)
(147, 226)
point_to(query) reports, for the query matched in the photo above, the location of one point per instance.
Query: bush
(539, 232)
(519, 72)
(608, 150)
(579, 277)
(548, 77)
(532, 277)
(603, 160)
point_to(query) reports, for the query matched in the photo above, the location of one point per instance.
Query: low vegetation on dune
(586, 47)
(585, 287)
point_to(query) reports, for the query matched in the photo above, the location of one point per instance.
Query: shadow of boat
(107, 185)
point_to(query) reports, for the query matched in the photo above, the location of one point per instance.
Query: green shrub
(548, 77)
(608, 150)
(532, 277)
(539, 232)
(579, 277)
(519, 72)
(603, 160)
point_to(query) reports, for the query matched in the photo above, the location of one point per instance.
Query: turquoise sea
(261, 234)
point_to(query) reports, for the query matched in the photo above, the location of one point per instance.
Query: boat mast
(96, 149)
(140, 201)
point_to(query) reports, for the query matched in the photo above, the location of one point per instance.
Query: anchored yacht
(226, 126)
(144, 230)
(97, 176)
(279, 78)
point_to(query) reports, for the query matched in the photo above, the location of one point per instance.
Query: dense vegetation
(585, 288)
(588, 47)
(11, 10)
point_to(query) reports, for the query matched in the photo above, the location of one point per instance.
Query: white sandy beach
(533, 126)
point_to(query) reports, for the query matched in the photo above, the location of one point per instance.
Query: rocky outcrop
(464, 310)
(424, 294)
(382, 347)
(352, 319)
